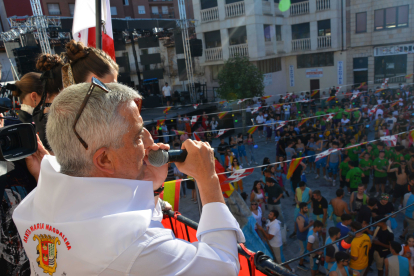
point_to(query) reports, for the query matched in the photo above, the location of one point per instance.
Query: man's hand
(33, 161)
(155, 174)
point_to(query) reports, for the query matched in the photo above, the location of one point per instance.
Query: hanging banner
(267, 80)
(292, 75)
(394, 50)
(314, 73)
(340, 72)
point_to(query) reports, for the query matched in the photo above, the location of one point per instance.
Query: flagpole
(98, 32)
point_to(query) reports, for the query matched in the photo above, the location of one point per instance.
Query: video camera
(17, 141)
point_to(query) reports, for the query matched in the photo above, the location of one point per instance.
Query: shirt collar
(27, 108)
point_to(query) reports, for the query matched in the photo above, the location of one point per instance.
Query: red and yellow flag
(314, 93)
(330, 99)
(411, 137)
(379, 90)
(167, 109)
(222, 114)
(362, 85)
(179, 132)
(171, 193)
(160, 122)
(277, 105)
(265, 97)
(226, 188)
(394, 104)
(222, 102)
(303, 121)
(409, 76)
(293, 165)
(252, 129)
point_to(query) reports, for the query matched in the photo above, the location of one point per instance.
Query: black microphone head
(157, 158)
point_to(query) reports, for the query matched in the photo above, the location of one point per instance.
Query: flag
(282, 124)
(83, 29)
(277, 105)
(222, 102)
(411, 135)
(252, 129)
(256, 109)
(195, 106)
(330, 99)
(303, 121)
(221, 132)
(409, 76)
(314, 93)
(328, 117)
(362, 84)
(160, 122)
(351, 109)
(373, 110)
(194, 119)
(293, 165)
(171, 193)
(305, 101)
(390, 141)
(222, 114)
(356, 145)
(167, 109)
(325, 153)
(226, 188)
(265, 97)
(239, 174)
(287, 96)
(179, 132)
(384, 83)
(355, 96)
(196, 137)
(338, 88)
(379, 90)
(241, 100)
(394, 104)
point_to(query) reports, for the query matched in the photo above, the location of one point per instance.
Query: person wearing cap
(380, 174)
(397, 265)
(385, 207)
(340, 267)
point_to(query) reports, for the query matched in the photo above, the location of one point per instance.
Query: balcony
(301, 44)
(266, 8)
(322, 5)
(213, 54)
(299, 8)
(324, 42)
(208, 15)
(398, 79)
(269, 48)
(235, 9)
(241, 50)
(162, 15)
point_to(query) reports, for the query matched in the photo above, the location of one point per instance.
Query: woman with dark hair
(258, 194)
(281, 172)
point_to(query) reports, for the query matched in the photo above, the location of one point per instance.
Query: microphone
(158, 158)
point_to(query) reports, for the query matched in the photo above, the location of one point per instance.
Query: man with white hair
(96, 203)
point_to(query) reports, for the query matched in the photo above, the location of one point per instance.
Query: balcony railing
(266, 7)
(208, 15)
(301, 44)
(235, 9)
(324, 42)
(239, 50)
(399, 79)
(322, 5)
(299, 8)
(212, 54)
(162, 15)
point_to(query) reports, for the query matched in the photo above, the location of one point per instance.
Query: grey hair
(100, 124)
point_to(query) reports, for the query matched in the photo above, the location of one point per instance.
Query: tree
(239, 79)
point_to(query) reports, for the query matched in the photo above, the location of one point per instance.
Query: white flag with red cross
(256, 109)
(239, 174)
(390, 141)
(325, 153)
(194, 120)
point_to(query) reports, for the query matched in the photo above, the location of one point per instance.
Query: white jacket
(106, 226)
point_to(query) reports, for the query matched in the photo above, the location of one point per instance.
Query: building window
(215, 70)
(72, 9)
(389, 18)
(237, 35)
(390, 66)
(212, 39)
(126, 2)
(154, 10)
(278, 32)
(164, 9)
(207, 4)
(315, 60)
(270, 65)
(114, 11)
(300, 31)
(267, 35)
(53, 9)
(324, 27)
(141, 9)
(361, 22)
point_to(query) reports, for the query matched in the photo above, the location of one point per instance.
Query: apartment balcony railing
(239, 50)
(235, 9)
(266, 7)
(211, 14)
(398, 79)
(162, 15)
(299, 8)
(301, 44)
(212, 54)
(324, 42)
(322, 5)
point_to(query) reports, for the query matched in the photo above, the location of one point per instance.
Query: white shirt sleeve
(214, 254)
(311, 239)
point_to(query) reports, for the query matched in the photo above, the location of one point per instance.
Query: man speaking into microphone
(95, 212)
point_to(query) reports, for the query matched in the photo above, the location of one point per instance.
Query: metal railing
(163, 15)
(208, 15)
(299, 8)
(324, 42)
(322, 5)
(266, 8)
(399, 79)
(239, 50)
(301, 44)
(213, 54)
(235, 9)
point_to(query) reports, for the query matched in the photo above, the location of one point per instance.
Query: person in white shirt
(260, 121)
(166, 91)
(345, 121)
(213, 125)
(274, 236)
(379, 111)
(96, 202)
(286, 108)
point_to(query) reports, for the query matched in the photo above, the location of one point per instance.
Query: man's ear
(104, 161)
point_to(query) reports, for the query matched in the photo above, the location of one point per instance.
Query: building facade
(301, 49)
(380, 41)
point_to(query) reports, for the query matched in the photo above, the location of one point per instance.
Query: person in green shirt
(338, 112)
(353, 152)
(343, 170)
(354, 176)
(356, 117)
(319, 113)
(376, 151)
(366, 166)
(380, 174)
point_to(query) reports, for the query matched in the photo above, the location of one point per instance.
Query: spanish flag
(222, 114)
(252, 129)
(379, 90)
(179, 132)
(303, 121)
(362, 84)
(167, 109)
(394, 104)
(172, 193)
(160, 122)
(314, 93)
(226, 188)
(265, 97)
(293, 165)
(330, 99)
(409, 76)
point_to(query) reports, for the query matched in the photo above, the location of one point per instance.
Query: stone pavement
(291, 250)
